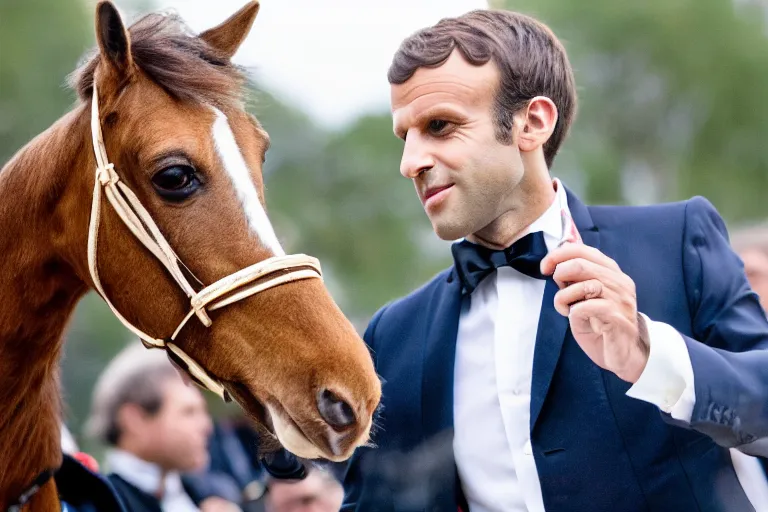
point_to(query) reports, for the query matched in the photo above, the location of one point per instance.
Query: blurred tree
(40, 43)
(348, 204)
(671, 99)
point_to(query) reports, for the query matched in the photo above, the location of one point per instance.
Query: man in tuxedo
(574, 358)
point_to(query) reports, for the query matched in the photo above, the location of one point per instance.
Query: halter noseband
(256, 278)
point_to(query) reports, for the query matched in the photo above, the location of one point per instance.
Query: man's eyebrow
(439, 110)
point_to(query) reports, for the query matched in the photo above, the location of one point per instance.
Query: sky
(328, 58)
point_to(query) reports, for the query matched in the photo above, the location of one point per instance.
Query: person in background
(156, 427)
(318, 492)
(751, 244)
(236, 470)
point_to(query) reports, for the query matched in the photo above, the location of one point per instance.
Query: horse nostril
(335, 411)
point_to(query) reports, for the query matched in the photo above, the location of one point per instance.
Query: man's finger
(594, 315)
(577, 292)
(570, 251)
(580, 269)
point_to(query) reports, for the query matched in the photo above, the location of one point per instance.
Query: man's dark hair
(531, 62)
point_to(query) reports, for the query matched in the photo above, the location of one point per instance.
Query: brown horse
(161, 132)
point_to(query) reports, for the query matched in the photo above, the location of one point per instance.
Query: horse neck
(39, 212)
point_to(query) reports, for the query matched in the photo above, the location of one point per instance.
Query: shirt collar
(551, 221)
(146, 476)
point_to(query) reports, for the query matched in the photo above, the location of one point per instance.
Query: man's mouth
(433, 194)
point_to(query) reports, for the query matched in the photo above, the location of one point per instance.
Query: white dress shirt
(492, 387)
(148, 477)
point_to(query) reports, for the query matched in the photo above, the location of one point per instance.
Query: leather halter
(30, 491)
(251, 280)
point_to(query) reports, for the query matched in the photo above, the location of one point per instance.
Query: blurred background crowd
(682, 112)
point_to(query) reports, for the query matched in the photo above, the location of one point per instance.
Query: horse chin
(294, 439)
(277, 428)
(290, 435)
(253, 408)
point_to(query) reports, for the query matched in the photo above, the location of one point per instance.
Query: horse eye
(176, 183)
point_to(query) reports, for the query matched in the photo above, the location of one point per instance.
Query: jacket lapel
(439, 357)
(437, 381)
(553, 327)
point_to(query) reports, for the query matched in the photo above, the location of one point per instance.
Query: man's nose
(416, 159)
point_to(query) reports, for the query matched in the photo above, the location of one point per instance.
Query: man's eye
(438, 126)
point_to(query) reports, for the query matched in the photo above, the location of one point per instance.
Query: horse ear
(114, 41)
(229, 35)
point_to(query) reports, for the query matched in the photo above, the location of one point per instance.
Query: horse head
(182, 249)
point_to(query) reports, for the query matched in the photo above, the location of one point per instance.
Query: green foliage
(349, 206)
(40, 43)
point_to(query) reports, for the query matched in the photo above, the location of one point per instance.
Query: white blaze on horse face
(234, 163)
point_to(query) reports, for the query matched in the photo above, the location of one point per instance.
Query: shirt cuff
(667, 380)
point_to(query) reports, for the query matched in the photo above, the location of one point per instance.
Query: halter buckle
(107, 174)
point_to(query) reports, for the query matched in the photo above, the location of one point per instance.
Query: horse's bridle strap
(251, 280)
(40, 480)
(206, 298)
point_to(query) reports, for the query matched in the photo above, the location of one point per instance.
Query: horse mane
(176, 59)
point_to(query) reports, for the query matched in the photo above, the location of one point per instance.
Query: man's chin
(196, 465)
(449, 231)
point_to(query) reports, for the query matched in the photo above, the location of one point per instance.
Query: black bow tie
(475, 262)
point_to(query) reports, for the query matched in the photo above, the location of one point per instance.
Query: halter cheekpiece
(251, 280)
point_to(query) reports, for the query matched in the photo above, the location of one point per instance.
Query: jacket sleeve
(729, 354)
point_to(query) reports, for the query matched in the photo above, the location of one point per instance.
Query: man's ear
(537, 123)
(114, 41)
(229, 35)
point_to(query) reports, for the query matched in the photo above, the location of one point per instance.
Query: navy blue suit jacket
(83, 490)
(595, 449)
